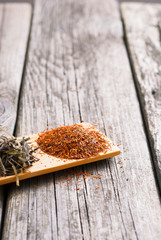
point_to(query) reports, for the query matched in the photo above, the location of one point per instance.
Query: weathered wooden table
(66, 61)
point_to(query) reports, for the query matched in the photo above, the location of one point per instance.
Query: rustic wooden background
(84, 62)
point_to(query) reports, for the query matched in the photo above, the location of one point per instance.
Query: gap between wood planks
(142, 108)
(3, 191)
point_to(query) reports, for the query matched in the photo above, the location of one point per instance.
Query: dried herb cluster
(15, 155)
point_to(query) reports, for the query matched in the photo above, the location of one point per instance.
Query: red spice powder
(73, 142)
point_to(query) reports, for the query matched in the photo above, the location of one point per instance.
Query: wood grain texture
(144, 45)
(14, 31)
(77, 69)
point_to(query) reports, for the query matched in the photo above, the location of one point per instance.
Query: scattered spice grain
(97, 177)
(72, 175)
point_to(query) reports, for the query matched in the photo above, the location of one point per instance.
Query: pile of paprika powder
(73, 142)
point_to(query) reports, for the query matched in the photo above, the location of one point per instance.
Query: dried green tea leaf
(15, 155)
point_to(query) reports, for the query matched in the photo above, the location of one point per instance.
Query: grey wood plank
(78, 69)
(143, 38)
(14, 30)
(15, 25)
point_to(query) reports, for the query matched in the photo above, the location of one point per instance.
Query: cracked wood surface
(14, 30)
(144, 45)
(77, 69)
